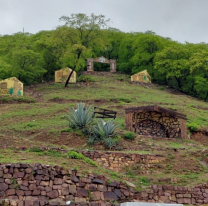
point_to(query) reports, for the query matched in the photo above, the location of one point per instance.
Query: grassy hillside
(38, 119)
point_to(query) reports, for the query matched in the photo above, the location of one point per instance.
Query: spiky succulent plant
(80, 117)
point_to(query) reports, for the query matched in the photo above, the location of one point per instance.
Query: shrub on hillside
(84, 78)
(193, 126)
(103, 132)
(130, 135)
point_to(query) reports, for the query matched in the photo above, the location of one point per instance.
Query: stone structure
(142, 76)
(62, 75)
(175, 194)
(90, 66)
(11, 86)
(44, 185)
(156, 121)
(116, 161)
(36, 184)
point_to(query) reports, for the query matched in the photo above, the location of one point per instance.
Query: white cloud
(181, 20)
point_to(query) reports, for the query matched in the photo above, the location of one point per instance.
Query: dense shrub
(130, 135)
(84, 78)
(193, 126)
(103, 132)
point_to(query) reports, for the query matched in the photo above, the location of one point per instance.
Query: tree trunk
(67, 81)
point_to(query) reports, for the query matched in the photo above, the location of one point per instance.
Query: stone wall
(116, 161)
(44, 185)
(175, 194)
(36, 184)
(156, 124)
(7, 202)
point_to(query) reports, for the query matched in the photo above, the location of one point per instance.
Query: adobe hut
(156, 121)
(142, 76)
(11, 86)
(62, 75)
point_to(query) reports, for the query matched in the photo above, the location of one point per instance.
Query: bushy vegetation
(194, 127)
(130, 135)
(84, 78)
(101, 131)
(34, 57)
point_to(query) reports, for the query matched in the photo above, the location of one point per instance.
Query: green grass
(24, 121)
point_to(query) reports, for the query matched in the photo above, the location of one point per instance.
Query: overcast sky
(181, 20)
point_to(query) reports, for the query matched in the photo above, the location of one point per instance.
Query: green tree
(87, 33)
(199, 68)
(173, 63)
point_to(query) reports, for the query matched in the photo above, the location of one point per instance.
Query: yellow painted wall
(11, 86)
(62, 75)
(141, 77)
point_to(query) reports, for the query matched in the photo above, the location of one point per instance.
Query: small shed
(11, 86)
(156, 121)
(142, 76)
(62, 75)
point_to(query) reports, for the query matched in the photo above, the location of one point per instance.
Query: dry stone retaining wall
(115, 161)
(36, 185)
(175, 194)
(44, 185)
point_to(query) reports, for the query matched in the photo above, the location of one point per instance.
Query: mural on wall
(62, 75)
(11, 86)
(142, 76)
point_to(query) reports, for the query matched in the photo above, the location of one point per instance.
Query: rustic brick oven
(156, 121)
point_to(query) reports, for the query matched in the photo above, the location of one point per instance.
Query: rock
(80, 199)
(92, 187)
(2, 194)
(10, 192)
(72, 189)
(7, 176)
(102, 188)
(96, 196)
(82, 192)
(8, 181)
(117, 192)
(23, 187)
(58, 181)
(97, 181)
(27, 193)
(28, 203)
(110, 196)
(65, 191)
(20, 192)
(74, 179)
(36, 192)
(130, 184)
(3, 186)
(53, 194)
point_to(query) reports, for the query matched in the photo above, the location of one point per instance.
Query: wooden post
(183, 128)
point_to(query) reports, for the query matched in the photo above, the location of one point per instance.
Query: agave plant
(103, 132)
(80, 117)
